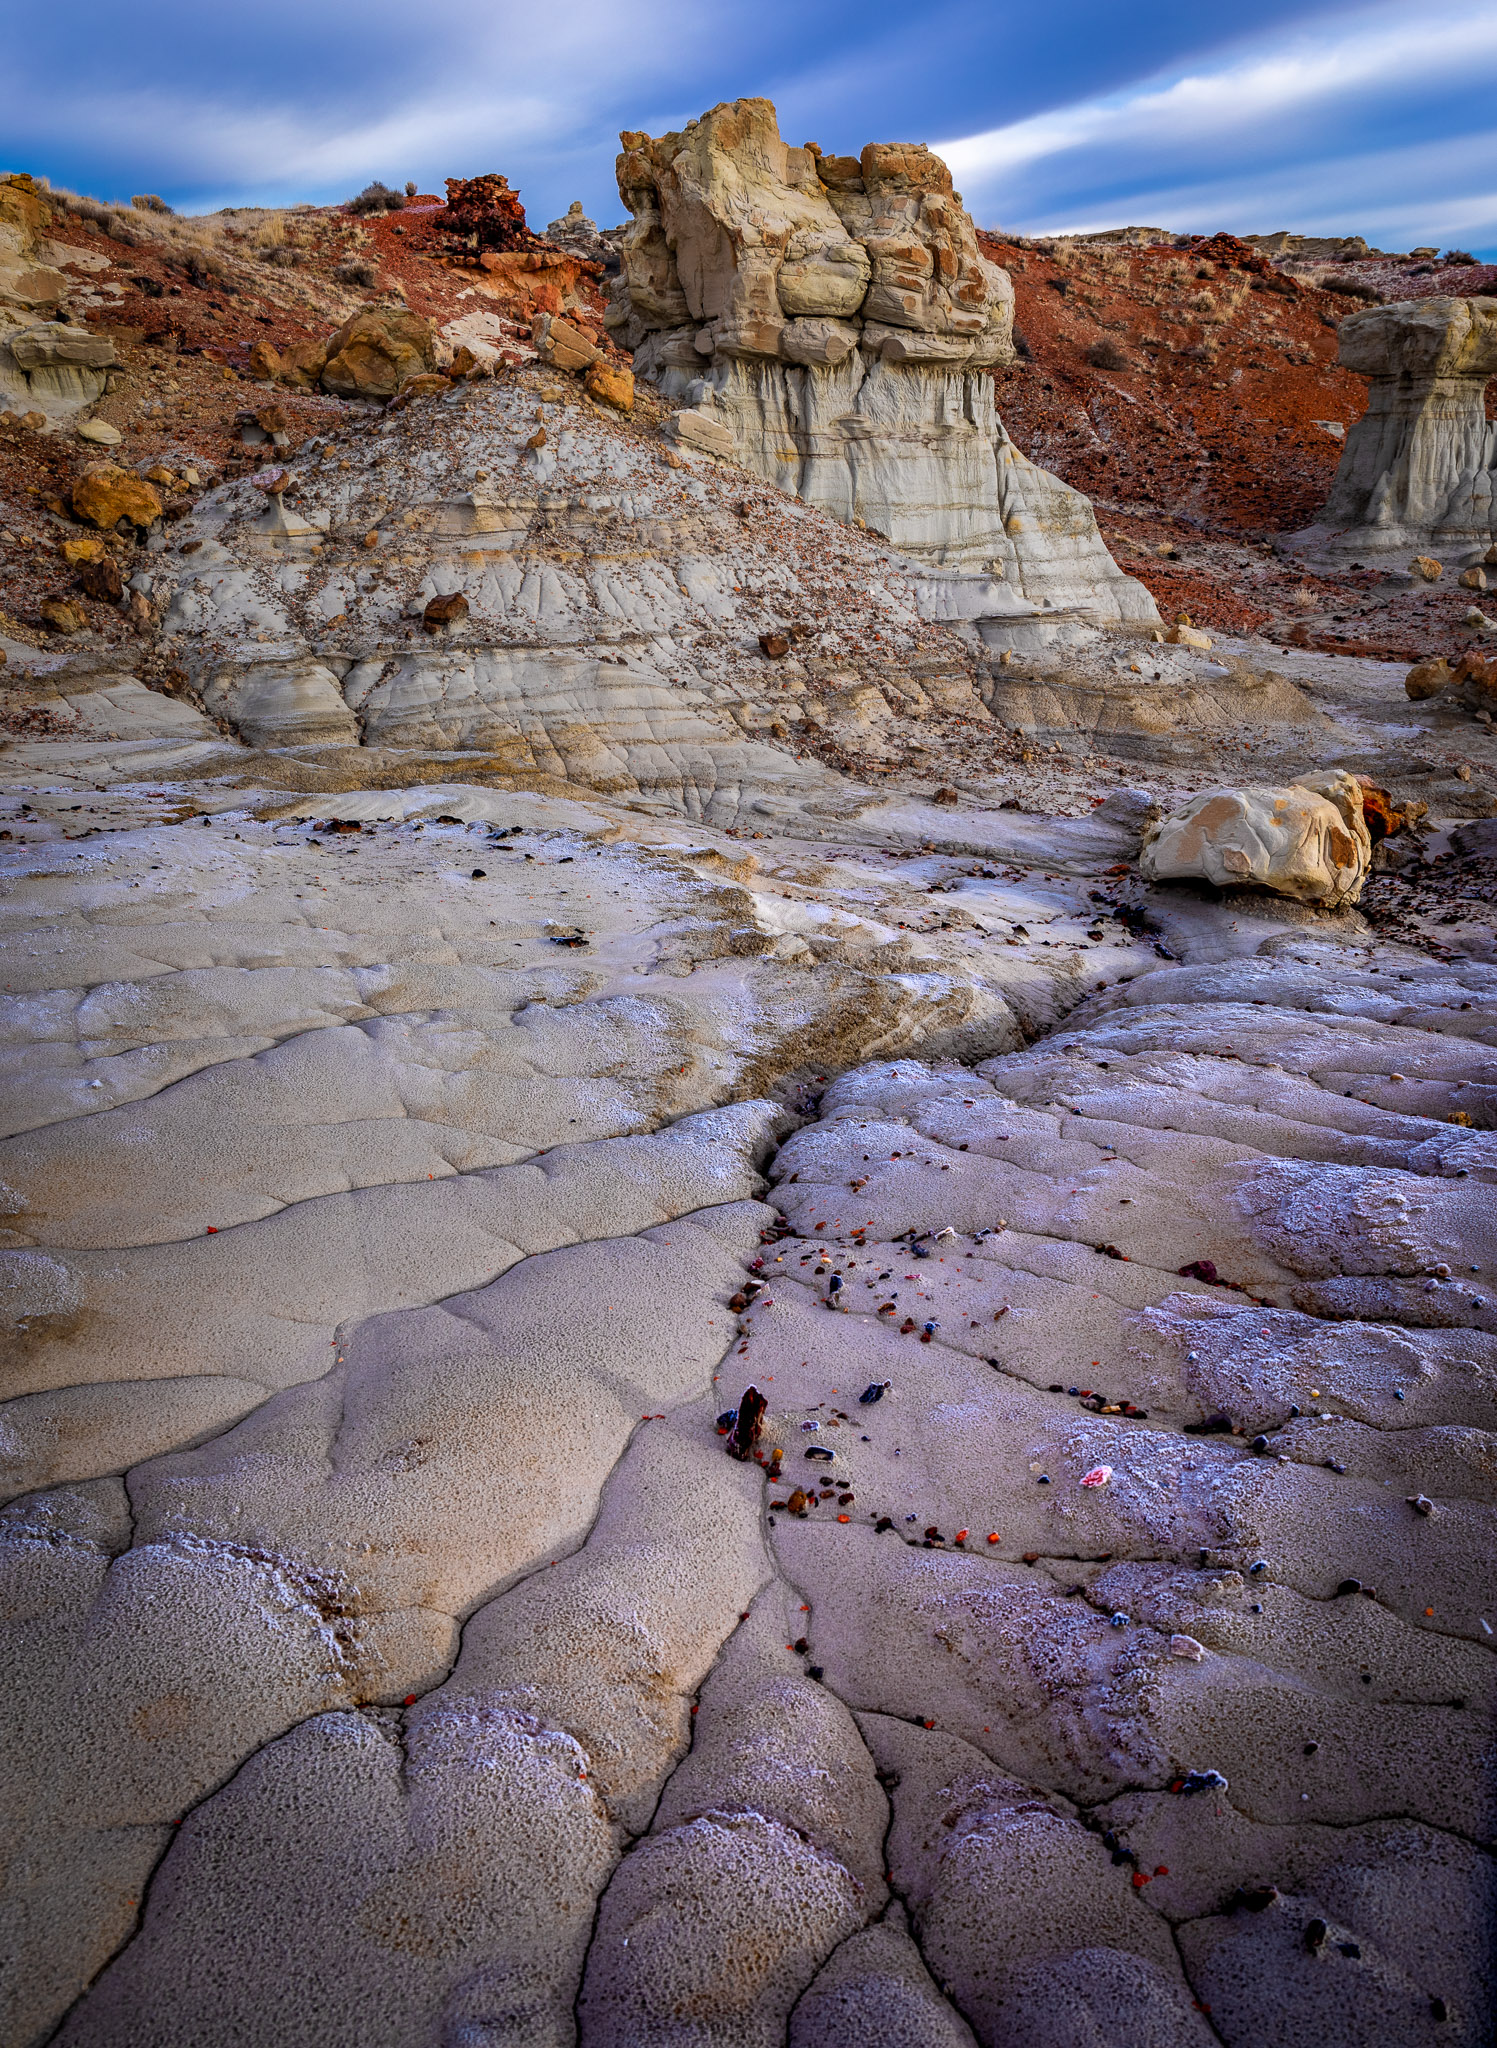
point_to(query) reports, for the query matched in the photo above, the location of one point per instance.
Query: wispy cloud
(1276, 115)
(1443, 192)
(1344, 114)
(484, 93)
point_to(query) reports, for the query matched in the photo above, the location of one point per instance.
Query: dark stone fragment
(102, 580)
(1348, 1586)
(1256, 1898)
(747, 1423)
(1219, 1424)
(1315, 1934)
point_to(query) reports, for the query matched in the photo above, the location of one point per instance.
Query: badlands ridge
(581, 1464)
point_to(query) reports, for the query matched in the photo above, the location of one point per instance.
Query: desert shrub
(375, 198)
(1459, 256)
(1104, 354)
(1351, 288)
(357, 270)
(150, 202)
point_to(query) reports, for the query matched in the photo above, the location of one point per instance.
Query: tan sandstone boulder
(377, 352)
(611, 384)
(1308, 840)
(563, 344)
(105, 494)
(1427, 679)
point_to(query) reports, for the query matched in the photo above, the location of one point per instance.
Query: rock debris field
(589, 1453)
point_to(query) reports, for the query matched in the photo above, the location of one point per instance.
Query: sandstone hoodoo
(1419, 473)
(835, 319)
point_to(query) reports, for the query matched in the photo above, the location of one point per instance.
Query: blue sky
(1056, 114)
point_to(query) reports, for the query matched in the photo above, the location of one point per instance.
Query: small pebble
(1200, 1781)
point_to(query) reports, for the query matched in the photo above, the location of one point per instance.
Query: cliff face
(1418, 467)
(830, 321)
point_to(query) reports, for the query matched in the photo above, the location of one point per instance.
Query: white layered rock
(1419, 472)
(837, 316)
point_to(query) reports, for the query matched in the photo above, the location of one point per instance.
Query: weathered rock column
(1417, 473)
(829, 322)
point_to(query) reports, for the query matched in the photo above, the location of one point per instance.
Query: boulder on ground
(264, 361)
(1426, 568)
(1427, 679)
(105, 494)
(445, 611)
(61, 615)
(99, 577)
(611, 384)
(694, 428)
(377, 352)
(1184, 634)
(562, 344)
(1308, 840)
(430, 384)
(301, 364)
(1476, 678)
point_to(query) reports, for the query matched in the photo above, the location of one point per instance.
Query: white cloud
(1273, 92)
(518, 81)
(1424, 192)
